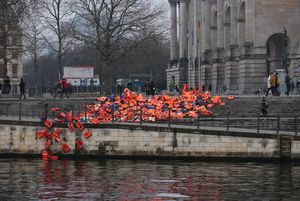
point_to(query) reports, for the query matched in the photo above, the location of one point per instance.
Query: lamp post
(285, 60)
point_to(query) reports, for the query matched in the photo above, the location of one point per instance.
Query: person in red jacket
(65, 87)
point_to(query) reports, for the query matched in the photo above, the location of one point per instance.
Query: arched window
(241, 25)
(214, 32)
(227, 29)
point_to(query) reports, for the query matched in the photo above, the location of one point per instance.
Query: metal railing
(258, 124)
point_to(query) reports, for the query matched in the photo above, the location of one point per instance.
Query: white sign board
(79, 72)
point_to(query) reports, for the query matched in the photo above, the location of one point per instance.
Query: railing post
(258, 123)
(46, 110)
(227, 122)
(20, 111)
(278, 125)
(85, 114)
(198, 121)
(295, 125)
(169, 118)
(113, 113)
(141, 116)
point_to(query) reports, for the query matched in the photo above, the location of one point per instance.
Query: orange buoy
(42, 133)
(230, 97)
(71, 127)
(48, 123)
(45, 155)
(55, 109)
(87, 134)
(66, 148)
(47, 144)
(80, 144)
(80, 126)
(59, 120)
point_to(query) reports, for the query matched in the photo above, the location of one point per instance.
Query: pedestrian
(264, 106)
(288, 84)
(152, 88)
(292, 86)
(58, 87)
(22, 89)
(177, 89)
(277, 85)
(6, 85)
(0, 87)
(147, 88)
(269, 84)
(298, 86)
(65, 85)
(273, 83)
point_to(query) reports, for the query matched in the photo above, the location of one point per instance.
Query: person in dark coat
(22, 89)
(58, 87)
(152, 88)
(288, 84)
(264, 106)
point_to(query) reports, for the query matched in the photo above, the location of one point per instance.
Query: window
(14, 54)
(1, 70)
(14, 70)
(15, 41)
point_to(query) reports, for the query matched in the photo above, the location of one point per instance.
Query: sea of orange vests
(129, 107)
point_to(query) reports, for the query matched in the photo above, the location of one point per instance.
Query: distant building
(232, 43)
(14, 57)
(81, 75)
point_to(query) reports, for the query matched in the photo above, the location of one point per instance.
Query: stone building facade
(233, 43)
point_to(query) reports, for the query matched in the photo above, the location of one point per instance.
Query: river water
(26, 179)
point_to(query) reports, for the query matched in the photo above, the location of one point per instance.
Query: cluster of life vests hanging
(129, 107)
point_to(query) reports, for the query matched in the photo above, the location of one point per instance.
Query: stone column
(183, 45)
(173, 31)
(207, 34)
(220, 24)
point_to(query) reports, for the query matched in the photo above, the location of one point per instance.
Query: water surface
(24, 179)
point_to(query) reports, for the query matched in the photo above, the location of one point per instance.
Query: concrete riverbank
(154, 140)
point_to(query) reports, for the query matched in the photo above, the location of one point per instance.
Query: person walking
(292, 86)
(273, 83)
(277, 85)
(269, 84)
(64, 87)
(298, 86)
(152, 88)
(58, 87)
(288, 84)
(22, 89)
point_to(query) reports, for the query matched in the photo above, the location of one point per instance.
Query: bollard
(20, 111)
(278, 125)
(227, 122)
(258, 123)
(169, 118)
(295, 125)
(141, 116)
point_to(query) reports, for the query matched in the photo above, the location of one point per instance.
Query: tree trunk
(107, 77)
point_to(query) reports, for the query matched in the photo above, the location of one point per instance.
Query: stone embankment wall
(130, 140)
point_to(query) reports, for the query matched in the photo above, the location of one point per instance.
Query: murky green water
(146, 180)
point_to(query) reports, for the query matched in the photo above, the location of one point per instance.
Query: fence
(23, 112)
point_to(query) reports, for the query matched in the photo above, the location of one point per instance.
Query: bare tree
(11, 13)
(115, 26)
(33, 36)
(57, 18)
